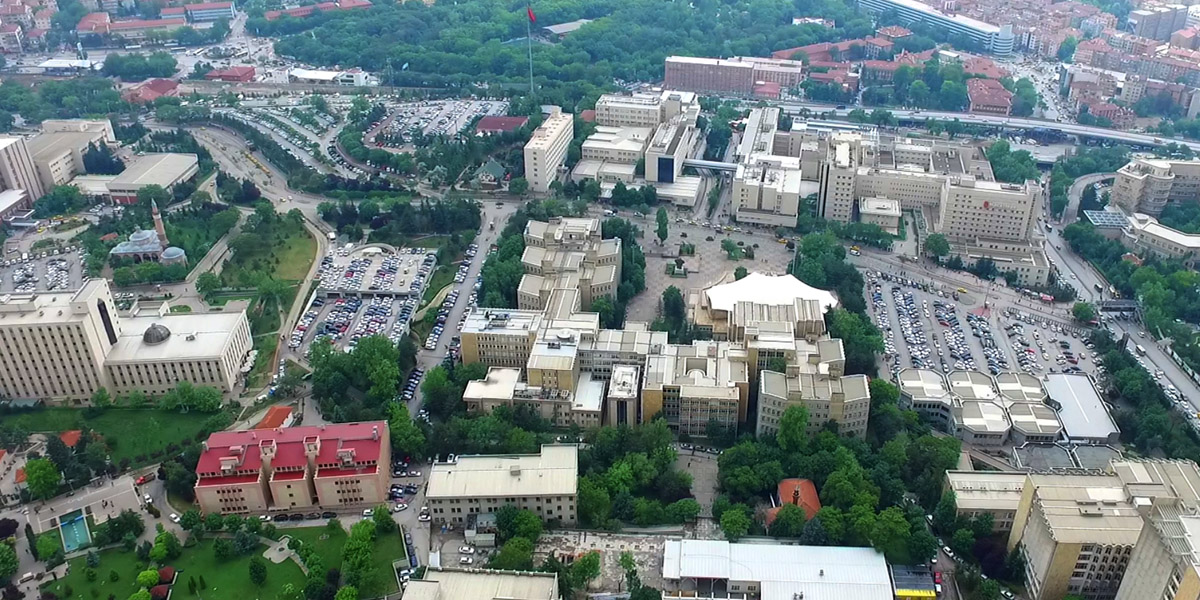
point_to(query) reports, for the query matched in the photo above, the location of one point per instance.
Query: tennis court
(74, 529)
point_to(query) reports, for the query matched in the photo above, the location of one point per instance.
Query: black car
(296, 517)
(312, 516)
(328, 515)
(280, 517)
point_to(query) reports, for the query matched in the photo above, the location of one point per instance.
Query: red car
(937, 577)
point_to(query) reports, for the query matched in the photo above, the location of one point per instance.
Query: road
(1012, 122)
(1075, 194)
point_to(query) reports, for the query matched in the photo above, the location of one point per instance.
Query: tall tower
(158, 223)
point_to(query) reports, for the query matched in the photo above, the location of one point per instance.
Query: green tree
(1066, 50)
(515, 555)
(661, 230)
(258, 570)
(384, 523)
(740, 273)
(945, 515)
(407, 438)
(814, 533)
(43, 478)
(190, 520)
(148, 578)
(142, 594)
(518, 186)
(594, 502)
(9, 563)
(963, 542)
(735, 524)
(585, 569)
(1083, 312)
(793, 429)
(348, 592)
(937, 245)
(789, 521)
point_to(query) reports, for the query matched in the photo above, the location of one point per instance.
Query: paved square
(102, 500)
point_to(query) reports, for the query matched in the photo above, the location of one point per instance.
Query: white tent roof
(767, 289)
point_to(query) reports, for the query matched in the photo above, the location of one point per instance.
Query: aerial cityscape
(632, 299)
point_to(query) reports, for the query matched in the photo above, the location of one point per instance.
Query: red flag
(529, 9)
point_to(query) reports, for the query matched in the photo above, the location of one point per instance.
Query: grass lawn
(329, 546)
(442, 277)
(264, 363)
(265, 318)
(287, 260)
(129, 433)
(181, 308)
(223, 299)
(228, 579)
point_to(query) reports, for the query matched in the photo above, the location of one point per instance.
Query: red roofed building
(334, 466)
(150, 90)
(96, 22)
(166, 575)
(876, 71)
(982, 67)
(11, 38)
(172, 12)
(588, 115)
(304, 11)
(239, 74)
(492, 124)
(160, 591)
(876, 47)
(70, 438)
(767, 89)
(800, 492)
(893, 32)
(277, 416)
(988, 97)
(1120, 116)
(108, 237)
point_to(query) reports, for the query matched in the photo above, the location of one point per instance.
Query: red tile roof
(20, 476)
(275, 417)
(797, 490)
(146, 24)
(36, 33)
(881, 65)
(988, 92)
(93, 22)
(10, 28)
(151, 90)
(207, 6)
(893, 31)
(166, 574)
(361, 443)
(493, 124)
(588, 115)
(70, 438)
(172, 11)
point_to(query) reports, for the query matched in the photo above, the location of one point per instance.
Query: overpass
(709, 164)
(1118, 305)
(1140, 139)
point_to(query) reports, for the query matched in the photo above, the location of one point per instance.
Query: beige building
(1078, 532)
(1146, 185)
(978, 493)
(1166, 559)
(579, 405)
(57, 152)
(1007, 409)
(63, 346)
(1144, 233)
(17, 170)
(482, 584)
(546, 150)
(336, 466)
(824, 392)
(977, 209)
(883, 212)
(767, 190)
(165, 170)
(692, 385)
(544, 483)
(568, 253)
(646, 109)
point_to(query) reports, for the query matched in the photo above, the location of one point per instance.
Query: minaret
(158, 223)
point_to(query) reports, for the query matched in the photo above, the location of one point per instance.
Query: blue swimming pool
(74, 530)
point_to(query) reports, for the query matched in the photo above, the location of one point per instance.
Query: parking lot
(56, 270)
(435, 117)
(928, 328)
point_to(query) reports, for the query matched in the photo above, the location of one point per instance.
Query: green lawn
(442, 277)
(228, 579)
(264, 363)
(329, 547)
(129, 433)
(223, 299)
(181, 308)
(287, 260)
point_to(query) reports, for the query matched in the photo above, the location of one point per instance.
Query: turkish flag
(529, 9)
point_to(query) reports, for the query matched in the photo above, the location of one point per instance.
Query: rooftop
(482, 584)
(194, 335)
(972, 385)
(239, 453)
(986, 490)
(1020, 387)
(155, 169)
(1083, 414)
(766, 289)
(1106, 219)
(553, 472)
(924, 384)
(783, 572)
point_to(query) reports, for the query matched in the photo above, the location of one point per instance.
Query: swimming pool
(74, 529)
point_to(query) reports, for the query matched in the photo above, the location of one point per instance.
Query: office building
(1078, 531)
(546, 150)
(1145, 234)
(984, 411)
(692, 385)
(988, 97)
(544, 483)
(1146, 185)
(623, 400)
(165, 170)
(17, 171)
(580, 404)
(1083, 413)
(63, 346)
(883, 212)
(993, 39)
(1165, 563)
(568, 253)
(336, 466)
(646, 109)
(672, 143)
(822, 388)
(209, 11)
(766, 191)
(708, 75)
(978, 493)
(1157, 21)
(482, 584)
(697, 568)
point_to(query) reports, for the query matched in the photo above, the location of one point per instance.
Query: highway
(794, 108)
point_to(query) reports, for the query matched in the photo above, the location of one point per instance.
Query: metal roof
(1106, 219)
(1083, 413)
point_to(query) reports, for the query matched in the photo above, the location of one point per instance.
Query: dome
(142, 236)
(156, 334)
(172, 252)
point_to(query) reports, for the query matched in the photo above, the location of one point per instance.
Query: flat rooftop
(193, 336)
(164, 169)
(482, 584)
(553, 472)
(1043, 457)
(972, 385)
(924, 384)
(1083, 414)
(986, 490)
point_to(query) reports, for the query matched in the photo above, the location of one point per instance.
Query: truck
(332, 236)
(1140, 350)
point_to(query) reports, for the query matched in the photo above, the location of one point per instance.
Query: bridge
(1118, 306)
(709, 164)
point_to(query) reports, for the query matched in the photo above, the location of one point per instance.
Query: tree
(515, 555)
(8, 528)
(258, 571)
(789, 521)
(207, 283)
(348, 592)
(148, 578)
(142, 594)
(963, 542)
(384, 523)
(223, 549)
(594, 502)
(740, 273)
(1066, 50)
(937, 245)
(9, 563)
(585, 569)
(190, 520)
(43, 478)
(518, 186)
(735, 524)
(661, 230)
(407, 438)
(793, 429)
(1084, 312)
(814, 533)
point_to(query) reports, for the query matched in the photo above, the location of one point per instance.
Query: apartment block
(17, 171)
(568, 253)
(979, 493)
(1146, 185)
(1080, 532)
(546, 150)
(63, 346)
(1157, 21)
(545, 483)
(335, 466)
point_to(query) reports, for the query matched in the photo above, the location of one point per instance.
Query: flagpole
(529, 42)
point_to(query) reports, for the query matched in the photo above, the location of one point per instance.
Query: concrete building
(623, 400)
(336, 466)
(981, 410)
(692, 385)
(568, 253)
(995, 40)
(766, 191)
(165, 170)
(1078, 531)
(1144, 233)
(1166, 558)
(17, 171)
(482, 584)
(1146, 185)
(707, 569)
(58, 153)
(544, 483)
(209, 11)
(580, 405)
(996, 493)
(63, 346)
(646, 109)
(708, 75)
(546, 151)
(1084, 415)
(988, 97)
(826, 393)
(883, 212)
(1157, 21)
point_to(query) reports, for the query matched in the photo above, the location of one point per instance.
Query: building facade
(17, 170)
(546, 150)
(1146, 185)
(545, 483)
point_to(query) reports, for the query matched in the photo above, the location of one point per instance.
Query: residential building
(335, 466)
(998, 40)
(988, 97)
(772, 571)
(545, 483)
(11, 38)
(162, 169)
(63, 346)
(1078, 531)
(1144, 233)
(1146, 185)
(17, 171)
(1157, 21)
(546, 151)
(995, 493)
(482, 584)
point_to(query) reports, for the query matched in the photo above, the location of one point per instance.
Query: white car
(466, 550)
(466, 560)
(399, 507)
(423, 518)
(367, 512)
(174, 518)
(148, 499)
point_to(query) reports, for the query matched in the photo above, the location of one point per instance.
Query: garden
(133, 436)
(328, 542)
